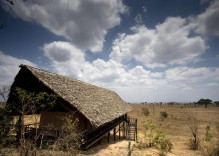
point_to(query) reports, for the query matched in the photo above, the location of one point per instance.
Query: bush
(69, 140)
(156, 137)
(208, 135)
(194, 144)
(163, 115)
(192, 123)
(165, 145)
(145, 111)
(207, 147)
(5, 125)
(162, 142)
(209, 150)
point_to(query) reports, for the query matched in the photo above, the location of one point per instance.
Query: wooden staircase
(132, 129)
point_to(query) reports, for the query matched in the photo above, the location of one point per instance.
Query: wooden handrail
(96, 134)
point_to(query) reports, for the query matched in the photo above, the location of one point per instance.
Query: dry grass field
(174, 125)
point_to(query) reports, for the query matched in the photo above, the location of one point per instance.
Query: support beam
(123, 129)
(108, 138)
(114, 134)
(119, 131)
(136, 129)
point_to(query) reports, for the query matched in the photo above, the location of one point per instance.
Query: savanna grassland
(174, 125)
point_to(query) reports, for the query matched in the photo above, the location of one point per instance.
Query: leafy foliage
(31, 102)
(207, 146)
(208, 133)
(5, 124)
(69, 139)
(216, 103)
(204, 102)
(163, 115)
(145, 111)
(28, 103)
(156, 137)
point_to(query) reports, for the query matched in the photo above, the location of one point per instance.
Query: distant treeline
(201, 102)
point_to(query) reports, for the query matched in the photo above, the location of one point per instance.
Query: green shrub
(149, 132)
(207, 147)
(208, 135)
(156, 137)
(145, 111)
(163, 115)
(162, 142)
(165, 145)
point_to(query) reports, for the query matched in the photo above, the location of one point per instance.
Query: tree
(205, 102)
(5, 124)
(28, 103)
(5, 119)
(193, 125)
(4, 90)
(216, 103)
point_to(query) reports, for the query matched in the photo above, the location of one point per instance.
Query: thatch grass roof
(98, 105)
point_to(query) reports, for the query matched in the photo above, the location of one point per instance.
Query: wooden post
(108, 138)
(41, 141)
(119, 131)
(153, 109)
(136, 129)
(114, 134)
(123, 129)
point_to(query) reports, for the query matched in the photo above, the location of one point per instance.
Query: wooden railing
(92, 137)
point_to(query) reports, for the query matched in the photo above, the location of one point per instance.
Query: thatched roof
(98, 105)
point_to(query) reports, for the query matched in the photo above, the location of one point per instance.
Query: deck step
(132, 129)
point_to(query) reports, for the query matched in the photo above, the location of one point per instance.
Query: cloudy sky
(145, 50)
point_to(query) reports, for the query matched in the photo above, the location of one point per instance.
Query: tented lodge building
(98, 109)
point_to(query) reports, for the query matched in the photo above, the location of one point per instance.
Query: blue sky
(145, 50)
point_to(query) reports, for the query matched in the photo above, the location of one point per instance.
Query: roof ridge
(71, 78)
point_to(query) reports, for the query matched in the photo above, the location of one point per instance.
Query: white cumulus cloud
(9, 66)
(136, 83)
(170, 43)
(65, 58)
(83, 22)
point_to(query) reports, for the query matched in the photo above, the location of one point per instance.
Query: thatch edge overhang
(126, 108)
(48, 86)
